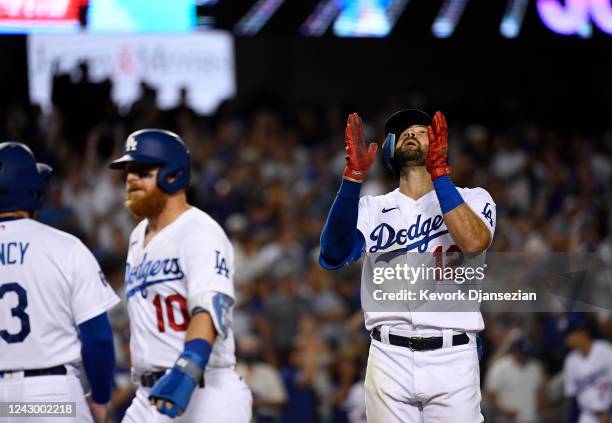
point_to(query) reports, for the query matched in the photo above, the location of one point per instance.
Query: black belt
(148, 379)
(57, 370)
(421, 344)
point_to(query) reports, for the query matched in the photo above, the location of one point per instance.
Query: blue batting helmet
(159, 147)
(395, 125)
(22, 180)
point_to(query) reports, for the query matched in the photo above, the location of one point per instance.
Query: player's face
(574, 340)
(412, 146)
(142, 196)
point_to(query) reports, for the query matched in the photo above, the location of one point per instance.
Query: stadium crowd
(269, 176)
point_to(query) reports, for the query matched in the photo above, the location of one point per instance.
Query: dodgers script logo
(151, 272)
(592, 380)
(385, 236)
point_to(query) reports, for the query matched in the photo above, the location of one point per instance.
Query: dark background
(475, 75)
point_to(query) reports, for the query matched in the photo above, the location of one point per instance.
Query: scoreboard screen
(49, 16)
(313, 18)
(384, 18)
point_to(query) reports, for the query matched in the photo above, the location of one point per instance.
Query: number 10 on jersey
(171, 304)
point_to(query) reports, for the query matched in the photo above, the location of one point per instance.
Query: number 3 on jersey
(18, 311)
(169, 304)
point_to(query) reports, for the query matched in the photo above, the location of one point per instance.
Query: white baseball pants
(52, 388)
(437, 386)
(224, 398)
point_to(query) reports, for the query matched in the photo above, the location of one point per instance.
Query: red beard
(149, 205)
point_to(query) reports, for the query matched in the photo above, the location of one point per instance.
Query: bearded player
(422, 367)
(180, 294)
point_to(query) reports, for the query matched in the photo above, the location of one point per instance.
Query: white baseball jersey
(49, 284)
(516, 387)
(394, 221)
(190, 256)
(589, 378)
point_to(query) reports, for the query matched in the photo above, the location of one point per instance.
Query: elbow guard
(217, 305)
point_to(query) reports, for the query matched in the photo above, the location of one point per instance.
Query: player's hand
(172, 392)
(437, 158)
(99, 412)
(358, 158)
(161, 405)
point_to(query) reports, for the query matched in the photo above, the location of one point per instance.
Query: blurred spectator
(587, 371)
(354, 404)
(305, 375)
(58, 214)
(265, 381)
(76, 194)
(283, 310)
(298, 376)
(344, 373)
(326, 303)
(513, 385)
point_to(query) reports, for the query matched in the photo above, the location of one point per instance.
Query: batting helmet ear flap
(172, 178)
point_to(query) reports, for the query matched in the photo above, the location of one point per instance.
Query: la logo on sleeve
(221, 265)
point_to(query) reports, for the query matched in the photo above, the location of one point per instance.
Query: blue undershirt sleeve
(341, 241)
(98, 354)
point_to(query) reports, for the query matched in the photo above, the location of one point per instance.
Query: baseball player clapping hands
(422, 366)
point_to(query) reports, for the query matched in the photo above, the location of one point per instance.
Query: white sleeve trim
(104, 307)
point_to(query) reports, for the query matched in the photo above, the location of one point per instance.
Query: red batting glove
(358, 159)
(437, 158)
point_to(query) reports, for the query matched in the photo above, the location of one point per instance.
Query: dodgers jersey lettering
(190, 256)
(49, 284)
(589, 378)
(395, 222)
